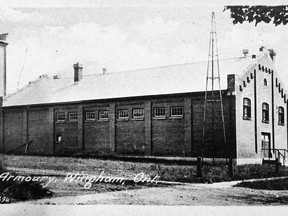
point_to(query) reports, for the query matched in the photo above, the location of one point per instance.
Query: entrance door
(266, 145)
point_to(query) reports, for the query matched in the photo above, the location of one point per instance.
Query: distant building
(156, 111)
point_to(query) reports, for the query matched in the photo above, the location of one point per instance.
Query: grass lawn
(275, 184)
(167, 172)
(13, 191)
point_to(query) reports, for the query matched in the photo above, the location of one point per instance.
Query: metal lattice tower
(212, 98)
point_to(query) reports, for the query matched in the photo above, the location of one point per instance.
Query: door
(266, 145)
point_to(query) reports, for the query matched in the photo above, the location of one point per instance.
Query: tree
(276, 14)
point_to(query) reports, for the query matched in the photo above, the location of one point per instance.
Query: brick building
(155, 111)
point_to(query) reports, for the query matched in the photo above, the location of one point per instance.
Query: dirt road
(216, 194)
(189, 194)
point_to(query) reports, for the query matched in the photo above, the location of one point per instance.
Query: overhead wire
(22, 69)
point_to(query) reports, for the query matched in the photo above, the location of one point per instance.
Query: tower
(214, 134)
(3, 45)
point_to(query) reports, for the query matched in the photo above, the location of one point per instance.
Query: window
(123, 114)
(246, 108)
(72, 116)
(103, 115)
(265, 82)
(58, 138)
(60, 117)
(138, 113)
(159, 112)
(265, 113)
(280, 116)
(176, 111)
(90, 116)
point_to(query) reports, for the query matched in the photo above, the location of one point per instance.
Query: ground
(216, 194)
(192, 194)
(172, 194)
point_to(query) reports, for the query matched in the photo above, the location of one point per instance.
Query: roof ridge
(166, 66)
(157, 67)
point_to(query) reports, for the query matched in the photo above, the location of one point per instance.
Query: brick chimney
(245, 52)
(272, 54)
(104, 70)
(77, 72)
(3, 45)
(261, 49)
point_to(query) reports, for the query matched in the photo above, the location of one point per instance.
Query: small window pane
(265, 113)
(177, 111)
(138, 113)
(103, 115)
(281, 116)
(247, 102)
(60, 117)
(246, 109)
(159, 112)
(72, 116)
(123, 114)
(90, 116)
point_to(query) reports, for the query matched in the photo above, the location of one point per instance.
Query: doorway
(266, 145)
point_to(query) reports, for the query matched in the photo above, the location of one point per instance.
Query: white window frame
(175, 115)
(246, 108)
(57, 117)
(69, 117)
(123, 111)
(281, 116)
(265, 112)
(87, 118)
(104, 112)
(160, 110)
(138, 113)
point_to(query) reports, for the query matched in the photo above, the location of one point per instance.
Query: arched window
(246, 108)
(265, 112)
(265, 82)
(281, 115)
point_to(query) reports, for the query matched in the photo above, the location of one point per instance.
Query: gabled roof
(172, 79)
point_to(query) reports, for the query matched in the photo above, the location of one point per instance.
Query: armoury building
(148, 112)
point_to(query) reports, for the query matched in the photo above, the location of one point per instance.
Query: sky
(124, 35)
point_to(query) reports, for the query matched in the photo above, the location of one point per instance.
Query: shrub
(13, 190)
(275, 184)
